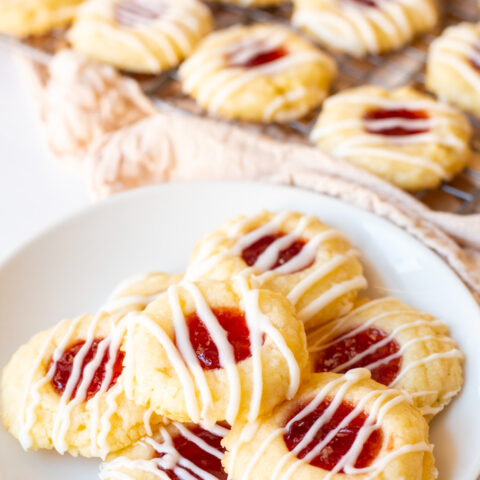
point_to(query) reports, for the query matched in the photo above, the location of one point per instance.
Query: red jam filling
(202, 459)
(252, 252)
(261, 58)
(235, 325)
(365, 3)
(131, 13)
(64, 366)
(348, 348)
(340, 444)
(395, 114)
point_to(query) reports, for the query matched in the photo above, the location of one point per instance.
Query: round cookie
(453, 66)
(135, 293)
(362, 27)
(35, 17)
(214, 351)
(338, 427)
(402, 347)
(143, 36)
(401, 135)
(64, 390)
(259, 73)
(311, 264)
(178, 450)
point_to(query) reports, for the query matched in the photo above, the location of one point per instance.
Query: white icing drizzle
(334, 391)
(187, 366)
(456, 48)
(206, 260)
(100, 424)
(125, 468)
(212, 74)
(173, 31)
(352, 27)
(319, 341)
(360, 142)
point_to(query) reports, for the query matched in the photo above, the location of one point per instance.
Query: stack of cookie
(260, 361)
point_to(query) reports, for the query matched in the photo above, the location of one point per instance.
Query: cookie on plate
(453, 66)
(143, 36)
(64, 390)
(214, 351)
(179, 450)
(259, 73)
(402, 347)
(362, 27)
(310, 263)
(402, 135)
(337, 427)
(35, 17)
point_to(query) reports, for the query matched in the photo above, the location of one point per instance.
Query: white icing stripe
(383, 402)
(167, 458)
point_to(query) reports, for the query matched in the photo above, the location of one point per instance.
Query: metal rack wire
(406, 66)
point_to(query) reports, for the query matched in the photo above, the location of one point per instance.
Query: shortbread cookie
(215, 351)
(35, 17)
(145, 36)
(337, 427)
(362, 27)
(313, 265)
(402, 135)
(178, 451)
(402, 347)
(453, 66)
(260, 73)
(64, 390)
(135, 293)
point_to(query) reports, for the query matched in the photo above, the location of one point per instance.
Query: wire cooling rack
(404, 67)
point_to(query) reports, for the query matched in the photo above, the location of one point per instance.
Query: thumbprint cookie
(311, 264)
(35, 17)
(64, 390)
(135, 293)
(337, 427)
(403, 136)
(402, 347)
(181, 451)
(362, 27)
(260, 73)
(213, 351)
(143, 36)
(453, 66)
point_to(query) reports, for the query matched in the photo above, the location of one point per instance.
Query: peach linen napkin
(102, 122)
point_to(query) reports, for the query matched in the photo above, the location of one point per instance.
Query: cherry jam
(235, 325)
(348, 348)
(365, 3)
(131, 13)
(261, 58)
(202, 459)
(340, 444)
(64, 366)
(392, 114)
(252, 252)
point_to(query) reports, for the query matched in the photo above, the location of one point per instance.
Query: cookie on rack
(402, 347)
(179, 450)
(135, 293)
(35, 17)
(310, 263)
(64, 390)
(212, 351)
(338, 426)
(143, 36)
(259, 73)
(362, 27)
(453, 66)
(402, 135)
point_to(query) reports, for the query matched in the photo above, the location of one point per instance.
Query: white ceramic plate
(71, 269)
